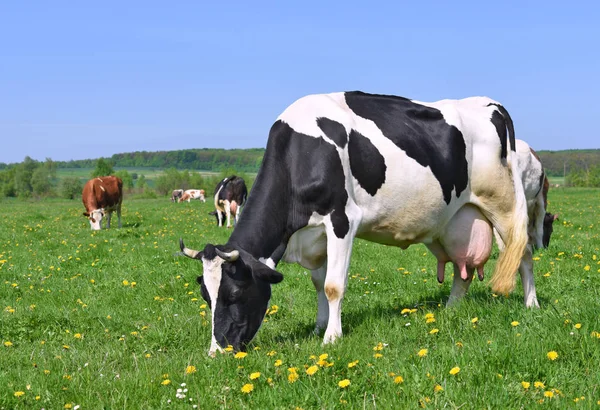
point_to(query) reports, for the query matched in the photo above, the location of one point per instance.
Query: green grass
(105, 319)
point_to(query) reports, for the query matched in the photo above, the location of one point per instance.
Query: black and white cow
(230, 196)
(379, 167)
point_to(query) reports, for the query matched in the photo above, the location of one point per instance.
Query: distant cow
(230, 195)
(378, 167)
(176, 195)
(190, 194)
(101, 196)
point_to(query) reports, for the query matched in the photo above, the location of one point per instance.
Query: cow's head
(237, 287)
(548, 221)
(95, 218)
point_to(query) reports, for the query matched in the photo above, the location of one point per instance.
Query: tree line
(31, 178)
(36, 179)
(243, 160)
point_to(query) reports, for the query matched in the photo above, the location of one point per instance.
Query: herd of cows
(449, 174)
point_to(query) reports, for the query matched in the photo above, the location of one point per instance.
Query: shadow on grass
(389, 310)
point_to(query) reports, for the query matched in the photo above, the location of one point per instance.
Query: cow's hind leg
(108, 216)
(526, 272)
(459, 286)
(339, 251)
(318, 279)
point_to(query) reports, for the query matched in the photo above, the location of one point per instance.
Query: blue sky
(82, 81)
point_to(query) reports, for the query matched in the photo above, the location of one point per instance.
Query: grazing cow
(230, 196)
(101, 196)
(176, 195)
(190, 194)
(378, 167)
(467, 240)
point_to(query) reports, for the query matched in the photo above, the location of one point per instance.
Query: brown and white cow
(190, 194)
(101, 196)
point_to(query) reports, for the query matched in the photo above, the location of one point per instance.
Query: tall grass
(114, 319)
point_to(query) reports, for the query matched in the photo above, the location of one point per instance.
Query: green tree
(103, 168)
(71, 188)
(141, 183)
(127, 179)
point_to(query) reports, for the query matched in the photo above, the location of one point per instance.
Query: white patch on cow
(268, 261)
(308, 246)
(316, 106)
(213, 272)
(102, 188)
(95, 219)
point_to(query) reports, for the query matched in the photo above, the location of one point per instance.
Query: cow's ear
(86, 214)
(263, 272)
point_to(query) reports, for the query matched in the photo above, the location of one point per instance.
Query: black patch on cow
(508, 124)
(333, 130)
(500, 124)
(366, 163)
(421, 132)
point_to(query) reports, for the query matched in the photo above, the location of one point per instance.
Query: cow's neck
(264, 229)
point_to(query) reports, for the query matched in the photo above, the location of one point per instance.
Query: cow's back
(102, 192)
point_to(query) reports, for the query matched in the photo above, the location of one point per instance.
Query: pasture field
(114, 319)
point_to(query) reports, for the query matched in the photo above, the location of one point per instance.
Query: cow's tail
(503, 279)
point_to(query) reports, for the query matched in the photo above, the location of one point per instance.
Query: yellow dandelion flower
(422, 353)
(125, 283)
(254, 375)
(278, 362)
(548, 394)
(352, 364)
(577, 325)
(165, 382)
(292, 377)
(434, 331)
(454, 370)
(190, 369)
(525, 385)
(247, 388)
(271, 353)
(229, 348)
(312, 370)
(587, 267)
(8, 343)
(552, 355)
(240, 355)
(429, 316)
(459, 344)
(398, 380)
(77, 336)
(66, 347)
(438, 388)
(377, 355)
(539, 385)
(324, 356)
(405, 311)
(19, 393)
(344, 383)
(475, 320)
(514, 323)
(430, 320)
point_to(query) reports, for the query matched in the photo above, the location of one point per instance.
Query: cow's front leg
(526, 272)
(318, 279)
(459, 286)
(108, 215)
(339, 251)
